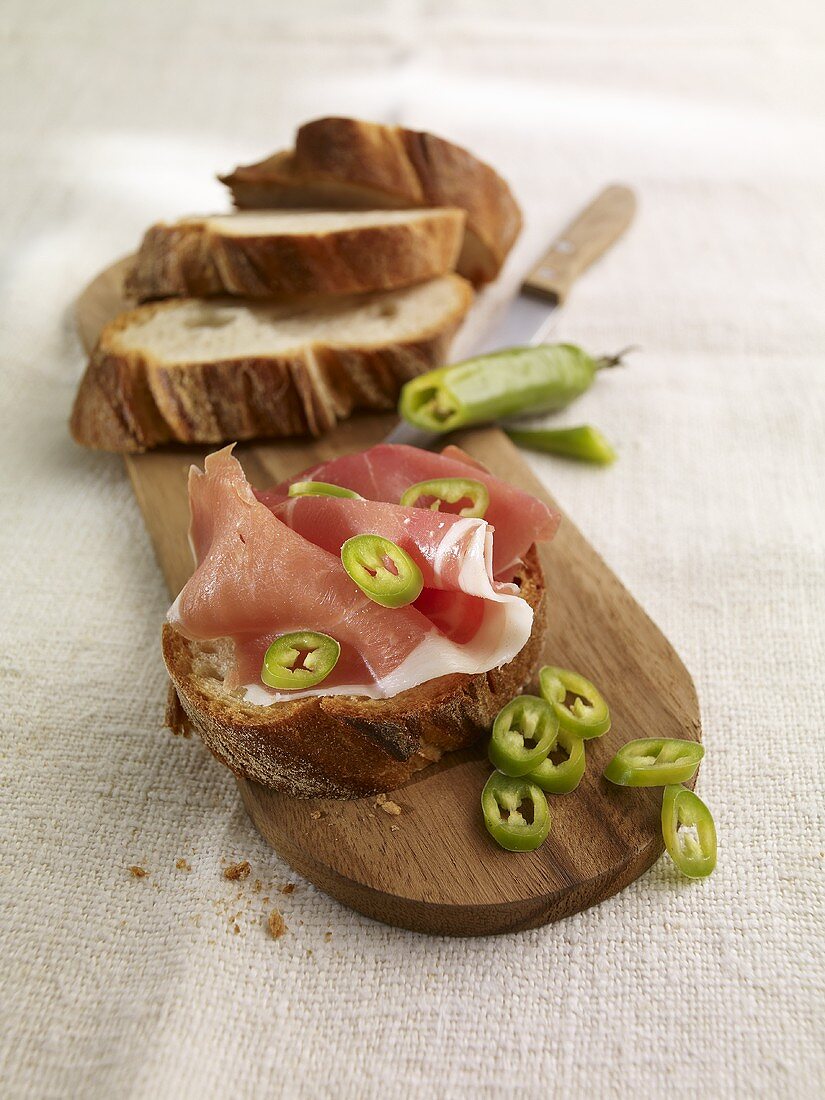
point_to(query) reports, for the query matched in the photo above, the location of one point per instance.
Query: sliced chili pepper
(449, 490)
(584, 443)
(524, 732)
(299, 660)
(585, 714)
(505, 383)
(689, 832)
(564, 776)
(320, 489)
(382, 570)
(515, 813)
(654, 762)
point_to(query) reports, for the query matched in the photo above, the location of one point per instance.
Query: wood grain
(584, 240)
(433, 868)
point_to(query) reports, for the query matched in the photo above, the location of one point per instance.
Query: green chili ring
(383, 571)
(564, 777)
(321, 489)
(525, 718)
(689, 832)
(654, 762)
(587, 715)
(299, 660)
(501, 802)
(450, 490)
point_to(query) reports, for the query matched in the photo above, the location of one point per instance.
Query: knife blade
(530, 316)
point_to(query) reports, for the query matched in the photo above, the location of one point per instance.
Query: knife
(531, 315)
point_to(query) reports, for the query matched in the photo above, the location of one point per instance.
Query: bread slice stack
(345, 163)
(324, 299)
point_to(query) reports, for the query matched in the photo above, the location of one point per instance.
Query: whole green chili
(505, 383)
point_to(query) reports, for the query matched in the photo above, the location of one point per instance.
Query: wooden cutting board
(433, 868)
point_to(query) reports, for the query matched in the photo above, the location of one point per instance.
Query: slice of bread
(345, 163)
(343, 746)
(195, 371)
(284, 254)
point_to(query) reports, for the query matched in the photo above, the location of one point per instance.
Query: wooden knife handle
(585, 239)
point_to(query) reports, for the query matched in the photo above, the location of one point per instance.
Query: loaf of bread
(345, 163)
(195, 371)
(284, 254)
(336, 746)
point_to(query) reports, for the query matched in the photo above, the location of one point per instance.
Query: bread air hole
(209, 670)
(209, 318)
(211, 661)
(387, 310)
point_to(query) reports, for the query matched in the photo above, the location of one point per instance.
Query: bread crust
(343, 746)
(194, 259)
(347, 163)
(129, 401)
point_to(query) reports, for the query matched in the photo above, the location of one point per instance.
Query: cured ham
(452, 553)
(266, 569)
(383, 473)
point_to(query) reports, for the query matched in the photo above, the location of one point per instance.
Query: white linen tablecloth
(115, 115)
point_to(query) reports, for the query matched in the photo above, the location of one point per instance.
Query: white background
(114, 115)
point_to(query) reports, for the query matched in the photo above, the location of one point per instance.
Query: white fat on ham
(476, 571)
(499, 639)
(262, 572)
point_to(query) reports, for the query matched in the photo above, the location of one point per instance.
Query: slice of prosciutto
(263, 571)
(452, 553)
(383, 473)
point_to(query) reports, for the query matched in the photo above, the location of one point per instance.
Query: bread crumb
(237, 871)
(430, 752)
(138, 872)
(183, 865)
(315, 814)
(276, 925)
(257, 887)
(391, 808)
(288, 888)
(380, 800)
